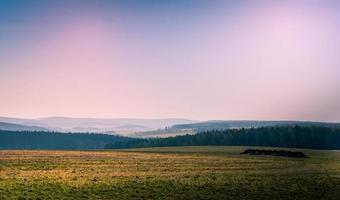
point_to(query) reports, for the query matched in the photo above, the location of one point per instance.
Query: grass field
(168, 173)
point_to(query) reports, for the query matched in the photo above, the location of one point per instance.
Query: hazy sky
(178, 58)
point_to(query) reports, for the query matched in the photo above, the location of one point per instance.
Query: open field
(168, 173)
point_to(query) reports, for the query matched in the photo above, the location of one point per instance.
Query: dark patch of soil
(295, 154)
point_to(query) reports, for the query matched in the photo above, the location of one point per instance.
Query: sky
(197, 59)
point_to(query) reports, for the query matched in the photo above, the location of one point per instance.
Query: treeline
(238, 124)
(311, 137)
(54, 140)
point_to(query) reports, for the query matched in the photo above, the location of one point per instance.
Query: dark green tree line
(54, 140)
(312, 137)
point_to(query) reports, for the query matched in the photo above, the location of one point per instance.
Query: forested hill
(238, 124)
(311, 137)
(51, 140)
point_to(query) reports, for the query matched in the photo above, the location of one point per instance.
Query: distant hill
(18, 127)
(162, 133)
(123, 126)
(237, 124)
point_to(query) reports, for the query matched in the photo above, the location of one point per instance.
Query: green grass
(168, 173)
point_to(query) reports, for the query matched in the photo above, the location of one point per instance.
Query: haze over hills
(141, 128)
(122, 126)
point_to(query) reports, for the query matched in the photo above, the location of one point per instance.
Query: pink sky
(252, 60)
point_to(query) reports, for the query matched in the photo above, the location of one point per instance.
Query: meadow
(168, 173)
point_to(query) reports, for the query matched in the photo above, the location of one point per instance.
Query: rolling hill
(121, 126)
(19, 127)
